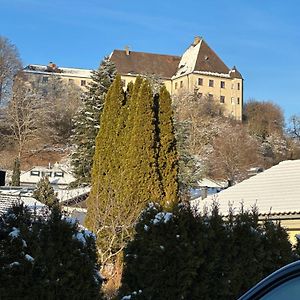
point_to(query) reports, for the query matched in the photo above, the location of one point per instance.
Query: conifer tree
(167, 152)
(44, 192)
(142, 162)
(129, 163)
(42, 257)
(15, 180)
(87, 121)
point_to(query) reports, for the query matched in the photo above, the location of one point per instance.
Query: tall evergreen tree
(87, 121)
(129, 163)
(167, 152)
(15, 179)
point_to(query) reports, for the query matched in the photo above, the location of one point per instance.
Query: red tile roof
(145, 63)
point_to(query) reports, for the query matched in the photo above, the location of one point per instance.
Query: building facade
(42, 73)
(198, 70)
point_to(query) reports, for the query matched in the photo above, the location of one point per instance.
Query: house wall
(232, 91)
(65, 78)
(131, 78)
(293, 228)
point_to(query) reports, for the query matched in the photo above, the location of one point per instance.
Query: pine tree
(41, 257)
(44, 192)
(87, 121)
(15, 180)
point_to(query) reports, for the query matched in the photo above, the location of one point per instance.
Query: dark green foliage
(47, 257)
(44, 192)
(87, 121)
(162, 246)
(15, 179)
(188, 256)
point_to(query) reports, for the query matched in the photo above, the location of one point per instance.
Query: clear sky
(260, 37)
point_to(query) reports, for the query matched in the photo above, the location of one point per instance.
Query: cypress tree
(142, 162)
(167, 152)
(87, 121)
(104, 171)
(128, 165)
(15, 180)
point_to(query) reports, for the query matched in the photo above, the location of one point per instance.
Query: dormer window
(34, 173)
(58, 174)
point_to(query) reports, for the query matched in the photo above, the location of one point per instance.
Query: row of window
(82, 82)
(222, 98)
(211, 83)
(47, 173)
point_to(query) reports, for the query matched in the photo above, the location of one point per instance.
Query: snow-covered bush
(183, 255)
(46, 257)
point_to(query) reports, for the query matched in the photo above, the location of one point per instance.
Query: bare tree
(234, 153)
(294, 127)
(10, 64)
(263, 118)
(59, 102)
(21, 114)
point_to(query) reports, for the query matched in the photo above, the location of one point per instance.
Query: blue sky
(260, 37)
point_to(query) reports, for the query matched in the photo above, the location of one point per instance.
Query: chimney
(197, 40)
(52, 65)
(127, 52)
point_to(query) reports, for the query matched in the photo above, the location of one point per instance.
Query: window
(123, 82)
(58, 174)
(47, 173)
(181, 83)
(34, 173)
(222, 99)
(211, 83)
(238, 101)
(44, 79)
(71, 80)
(210, 96)
(238, 86)
(222, 85)
(232, 100)
(83, 83)
(200, 81)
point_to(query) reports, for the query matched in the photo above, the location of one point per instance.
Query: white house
(275, 192)
(58, 176)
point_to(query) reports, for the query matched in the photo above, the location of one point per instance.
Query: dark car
(283, 284)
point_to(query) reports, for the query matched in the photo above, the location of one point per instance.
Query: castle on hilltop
(198, 70)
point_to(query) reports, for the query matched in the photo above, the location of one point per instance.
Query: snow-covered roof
(206, 182)
(275, 191)
(69, 72)
(57, 176)
(8, 198)
(188, 60)
(65, 195)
